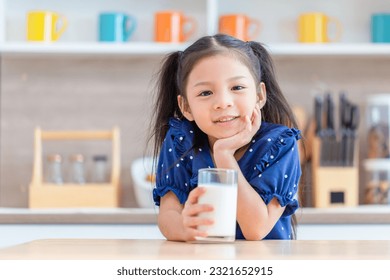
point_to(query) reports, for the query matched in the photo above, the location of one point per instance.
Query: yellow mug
(45, 26)
(313, 28)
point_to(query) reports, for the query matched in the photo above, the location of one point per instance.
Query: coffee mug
(45, 26)
(116, 27)
(239, 26)
(313, 28)
(221, 193)
(380, 28)
(173, 27)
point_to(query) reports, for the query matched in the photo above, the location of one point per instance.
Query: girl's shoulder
(181, 125)
(270, 132)
(181, 128)
(181, 134)
(273, 139)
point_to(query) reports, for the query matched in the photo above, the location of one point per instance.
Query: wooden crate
(333, 186)
(48, 195)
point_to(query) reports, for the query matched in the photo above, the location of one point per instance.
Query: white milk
(224, 199)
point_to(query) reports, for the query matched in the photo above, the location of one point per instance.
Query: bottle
(77, 171)
(54, 169)
(377, 140)
(99, 171)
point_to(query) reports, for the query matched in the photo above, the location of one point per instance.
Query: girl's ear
(262, 95)
(184, 108)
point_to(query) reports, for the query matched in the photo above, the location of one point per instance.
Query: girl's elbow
(255, 235)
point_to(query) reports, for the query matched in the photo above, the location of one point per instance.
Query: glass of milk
(221, 192)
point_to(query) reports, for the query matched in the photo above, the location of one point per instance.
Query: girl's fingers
(193, 233)
(195, 209)
(195, 194)
(196, 221)
(256, 117)
(255, 113)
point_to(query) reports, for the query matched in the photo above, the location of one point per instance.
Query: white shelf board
(377, 164)
(331, 49)
(142, 48)
(151, 48)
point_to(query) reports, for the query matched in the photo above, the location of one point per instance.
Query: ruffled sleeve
(173, 168)
(278, 171)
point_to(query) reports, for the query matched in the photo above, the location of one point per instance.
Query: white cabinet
(278, 21)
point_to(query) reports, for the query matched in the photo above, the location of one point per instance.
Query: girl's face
(221, 91)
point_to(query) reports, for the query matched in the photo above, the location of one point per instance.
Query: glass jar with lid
(54, 169)
(99, 169)
(77, 169)
(377, 163)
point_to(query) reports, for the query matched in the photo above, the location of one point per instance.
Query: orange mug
(240, 26)
(173, 27)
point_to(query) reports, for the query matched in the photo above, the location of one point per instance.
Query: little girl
(218, 105)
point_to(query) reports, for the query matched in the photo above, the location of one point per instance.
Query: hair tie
(180, 54)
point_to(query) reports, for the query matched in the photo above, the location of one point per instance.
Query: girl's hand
(251, 125)
(190, 214)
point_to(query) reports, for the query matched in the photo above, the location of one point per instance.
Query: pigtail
(276, 109)
(165, 100)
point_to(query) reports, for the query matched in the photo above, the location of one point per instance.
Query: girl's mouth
(225, 119)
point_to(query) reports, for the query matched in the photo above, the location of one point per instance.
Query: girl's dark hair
(177, 66)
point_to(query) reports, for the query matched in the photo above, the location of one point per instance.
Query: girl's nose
(223, 100)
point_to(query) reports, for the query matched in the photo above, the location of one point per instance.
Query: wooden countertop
(95, 249)
(367, 214)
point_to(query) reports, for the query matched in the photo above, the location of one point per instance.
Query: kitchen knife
(330, 132)
(318, 115)
(318, 112)
(343, 129)
(352, 134)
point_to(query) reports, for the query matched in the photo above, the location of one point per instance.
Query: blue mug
(380, 28)
(116, 27)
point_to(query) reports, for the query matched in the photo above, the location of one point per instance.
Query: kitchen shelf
(378, 164)
(150, 48)
(90, 48)
(362, 214)
(331, 49)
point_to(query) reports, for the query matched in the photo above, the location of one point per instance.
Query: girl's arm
(179, 222)
(256, 219)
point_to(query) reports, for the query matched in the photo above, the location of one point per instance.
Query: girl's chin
(223, 136)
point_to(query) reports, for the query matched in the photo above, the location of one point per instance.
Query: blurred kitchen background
(79, 83)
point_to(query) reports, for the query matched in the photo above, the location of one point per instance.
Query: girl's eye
(238, 88)
(205, 93)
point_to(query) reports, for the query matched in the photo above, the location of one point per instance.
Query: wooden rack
(334, 186)
(49, 195)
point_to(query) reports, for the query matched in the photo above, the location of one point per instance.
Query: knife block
(49, 195)
(334, 186)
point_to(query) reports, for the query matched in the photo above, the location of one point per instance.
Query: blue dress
(270, 165)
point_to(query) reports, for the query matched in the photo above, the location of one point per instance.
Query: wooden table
(98, 249)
